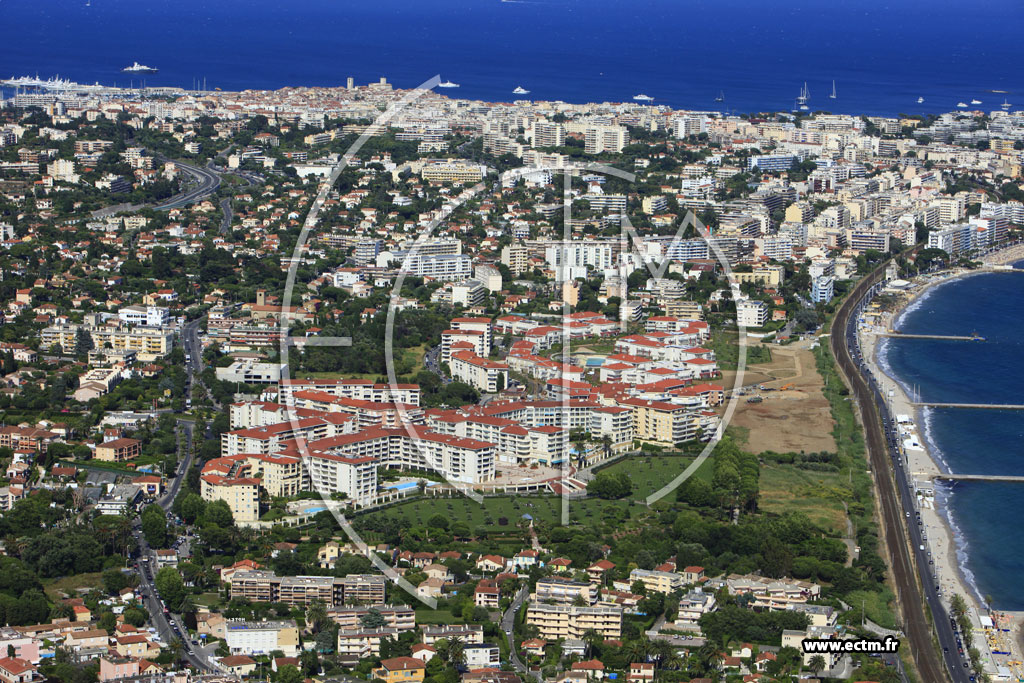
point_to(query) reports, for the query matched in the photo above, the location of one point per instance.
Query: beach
(1001, 634)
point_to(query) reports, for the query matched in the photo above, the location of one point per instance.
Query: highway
(916, 587)
(208, 179)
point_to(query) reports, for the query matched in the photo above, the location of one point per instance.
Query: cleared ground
(797, 419)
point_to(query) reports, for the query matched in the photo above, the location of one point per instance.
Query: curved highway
(208, 181)
(915, 585)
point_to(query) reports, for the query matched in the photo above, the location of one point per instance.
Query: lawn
(512, 508)
(650, 472)
(819, 495)
(436, 616)
(727, 350)
(68, 585)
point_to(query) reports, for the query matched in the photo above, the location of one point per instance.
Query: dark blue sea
(882, 54)
(986, 516)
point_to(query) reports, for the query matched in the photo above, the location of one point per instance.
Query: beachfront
(997, 635)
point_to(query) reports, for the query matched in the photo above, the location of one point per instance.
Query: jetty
(949, 337)
(976, 406)
(981, 477)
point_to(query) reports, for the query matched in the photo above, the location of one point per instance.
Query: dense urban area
(322, 384)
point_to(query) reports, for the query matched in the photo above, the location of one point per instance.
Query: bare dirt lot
(795, 419)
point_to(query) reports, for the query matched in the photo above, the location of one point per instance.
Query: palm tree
(661, 650)
(709, 657)
(817, 664)
(176, 649)
(316, 615)
(456, 652)
(637, 650)
(592, 638)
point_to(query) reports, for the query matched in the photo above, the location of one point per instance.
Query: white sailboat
(833, 95)
(802, 98)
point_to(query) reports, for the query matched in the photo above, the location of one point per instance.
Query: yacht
(920, 100)
(139, 68)
(643, 98)
(962, 105)
(447, 84)
(520, 90)
(833, 95)
(1005, 104)
(804, 95)
(721, 96)
(975, 101)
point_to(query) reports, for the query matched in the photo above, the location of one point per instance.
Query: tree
(170, 586)
(289, 674)
(154, 526)
(219, 513)
(191, 508)
(316, 616)
(373, 619)
(114, 581)
(817, 664)
(610, 486)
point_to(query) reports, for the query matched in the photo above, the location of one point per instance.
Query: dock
(981, 477)
(975, 406)
(948, 337)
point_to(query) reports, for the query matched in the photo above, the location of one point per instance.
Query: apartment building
(657, 581)
(487, 376)
(573, 621)
(661, 422)
(149, 343)
(150, 316)
(399, 617)
(516, 257)
(118, 450)
(599, 139)
(547, 134)
(564, 591)
(360, 389)
(266, 586)
(464, 460)
(458, 173)
(240, 493)
(822, 289)
(262, 637)
(751, 313)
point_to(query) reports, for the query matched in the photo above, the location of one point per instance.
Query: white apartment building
(605, 139)
(571, 260)
(153, 316)
(262, 637)
(486, 376)
(751, 313)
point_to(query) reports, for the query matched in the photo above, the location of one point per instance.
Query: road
(432, 362)
(208, 179)
(508, 622)
(895, 499)
(170, 625)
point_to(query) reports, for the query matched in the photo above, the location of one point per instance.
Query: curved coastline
(951, 536)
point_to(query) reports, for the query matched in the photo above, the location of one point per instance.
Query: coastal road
(902, 531)
(207, 179)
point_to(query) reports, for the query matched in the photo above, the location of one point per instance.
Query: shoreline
(947, 547)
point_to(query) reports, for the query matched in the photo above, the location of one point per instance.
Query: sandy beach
(922, 467)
